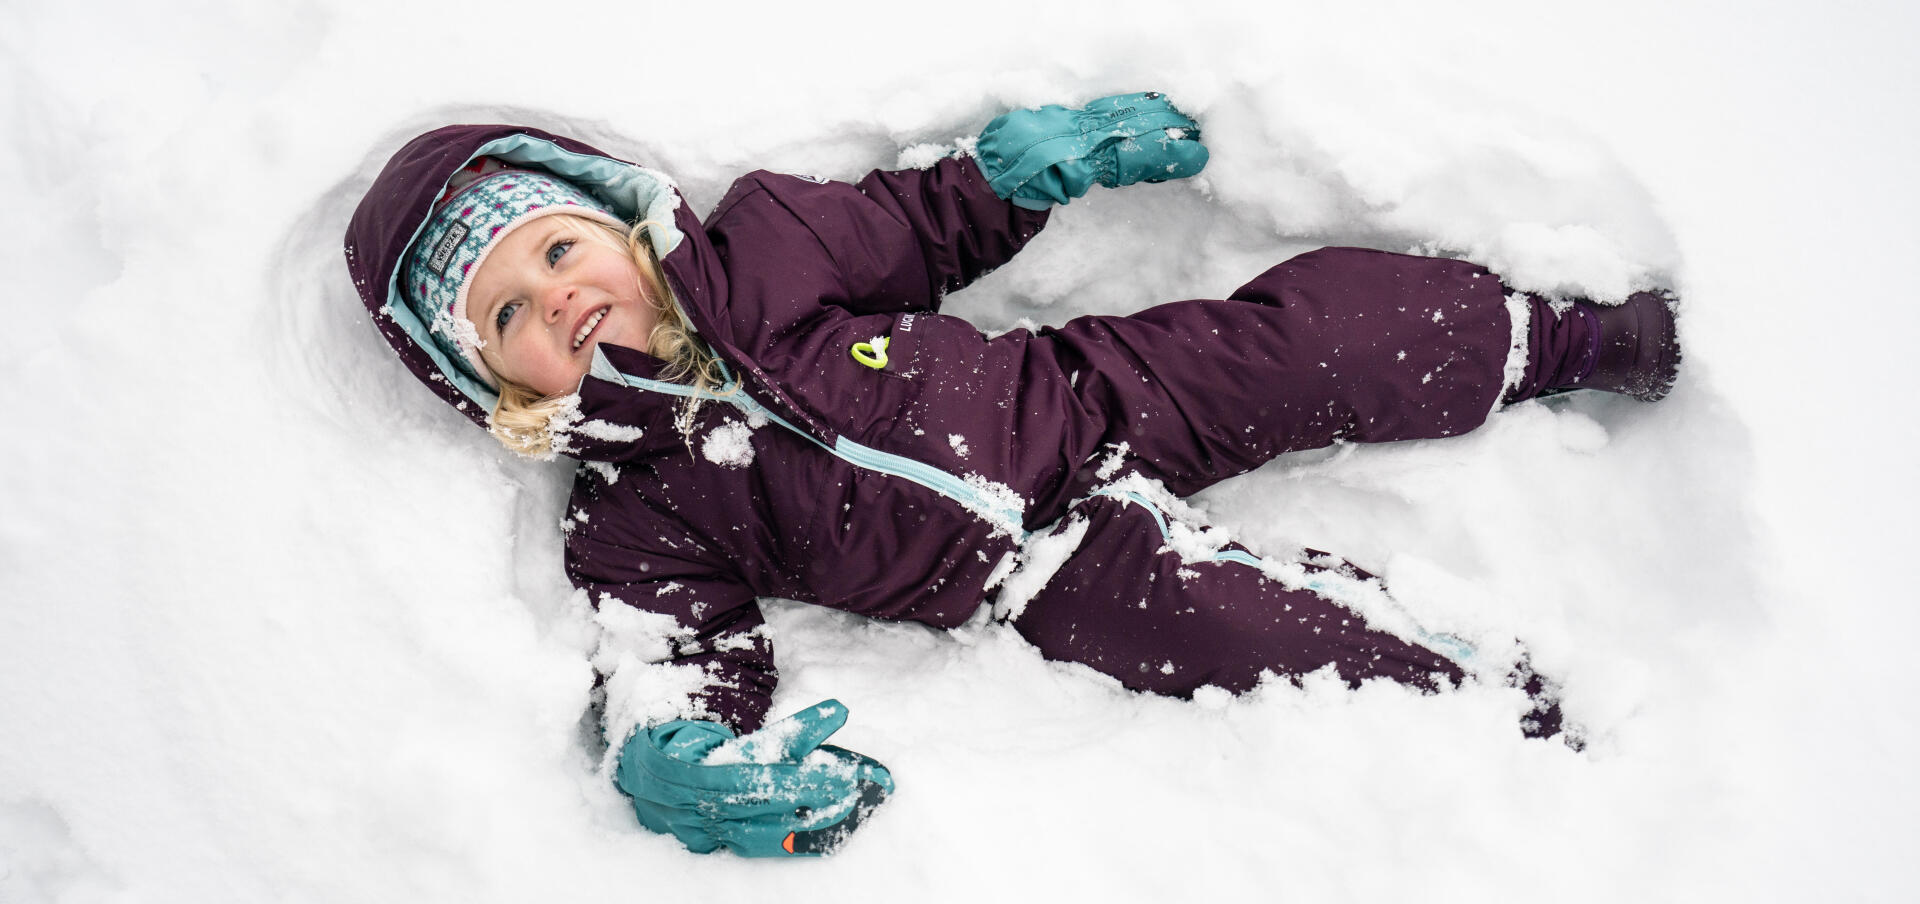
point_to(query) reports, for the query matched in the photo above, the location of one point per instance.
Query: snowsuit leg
(1129, 608)
(1335, 345)
(1340, 344)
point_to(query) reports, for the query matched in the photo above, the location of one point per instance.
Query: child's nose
(558, 299)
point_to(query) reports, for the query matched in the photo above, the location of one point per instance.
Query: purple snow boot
(1630, 348)
(1544, 719)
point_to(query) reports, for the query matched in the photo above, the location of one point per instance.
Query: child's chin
(619, 336)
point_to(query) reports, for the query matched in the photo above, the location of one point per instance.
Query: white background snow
(277, 625)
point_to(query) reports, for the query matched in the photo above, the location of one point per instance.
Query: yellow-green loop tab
(872, 353)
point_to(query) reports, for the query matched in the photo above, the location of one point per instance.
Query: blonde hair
(527, 422)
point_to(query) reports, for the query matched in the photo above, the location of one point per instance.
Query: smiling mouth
(587, 328)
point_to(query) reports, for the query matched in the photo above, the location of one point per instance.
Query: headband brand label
(449, 243)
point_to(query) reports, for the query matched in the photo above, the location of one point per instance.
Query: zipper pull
(872, 353)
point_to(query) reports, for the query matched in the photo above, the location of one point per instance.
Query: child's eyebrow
(543, 233)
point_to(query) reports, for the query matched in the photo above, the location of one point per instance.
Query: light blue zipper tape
(845, 449)
(1159, 518)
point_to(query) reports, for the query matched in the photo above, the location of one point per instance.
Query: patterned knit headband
(484, 203)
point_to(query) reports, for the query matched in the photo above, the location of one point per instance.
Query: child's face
(546, 295)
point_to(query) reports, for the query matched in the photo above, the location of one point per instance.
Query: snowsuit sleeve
(896, 241)
(680, 640)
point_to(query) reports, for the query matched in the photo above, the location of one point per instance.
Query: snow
(729, 445)
(773, 743)
(608, 431)
(995, 503)
(609, 474)
(276, 624)
(1040, 557)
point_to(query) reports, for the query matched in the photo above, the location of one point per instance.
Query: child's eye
(506, 314)
(558, 249)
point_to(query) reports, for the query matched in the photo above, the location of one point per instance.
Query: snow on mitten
(1051, 155)
(778, 792)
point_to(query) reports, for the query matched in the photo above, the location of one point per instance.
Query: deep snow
(276, 625)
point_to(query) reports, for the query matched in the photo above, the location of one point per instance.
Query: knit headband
(484, 203)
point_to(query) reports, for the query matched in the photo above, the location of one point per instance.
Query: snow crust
(277, 625)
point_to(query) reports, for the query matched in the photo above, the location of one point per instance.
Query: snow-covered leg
(1161, 620)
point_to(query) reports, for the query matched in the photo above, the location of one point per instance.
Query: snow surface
(275, 624)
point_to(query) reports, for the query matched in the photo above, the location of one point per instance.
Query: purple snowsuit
(906, 492)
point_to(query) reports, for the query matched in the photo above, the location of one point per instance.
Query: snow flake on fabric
(997, 504)
(566, 415)
(744, 640)
(1039, 559)
(1009, 560)
(1111, 465)
(645, 635)
(1519, 318)
(567, 422)
(924, 156)
(729, 445)
(609, 431)
(766, 746)
(642, 687)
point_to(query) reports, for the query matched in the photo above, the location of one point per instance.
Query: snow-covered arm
(680, 646)
(689, 676)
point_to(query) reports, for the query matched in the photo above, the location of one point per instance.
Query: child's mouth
(593, 320)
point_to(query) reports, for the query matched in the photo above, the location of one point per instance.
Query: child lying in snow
(769, 404)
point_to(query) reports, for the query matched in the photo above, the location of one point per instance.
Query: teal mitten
(778, 792)
(1038, 158)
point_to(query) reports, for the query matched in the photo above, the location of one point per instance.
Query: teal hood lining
(633, 192)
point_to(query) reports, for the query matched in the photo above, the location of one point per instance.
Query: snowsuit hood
(396, 207)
